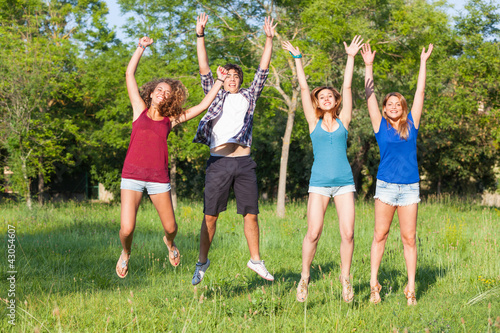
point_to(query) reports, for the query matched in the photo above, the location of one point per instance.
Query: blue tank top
(330, 167)
(398, 157)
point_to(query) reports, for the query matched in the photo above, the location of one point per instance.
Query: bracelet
(200, 35)
(141, 46)
(220, 80)
(296, 56)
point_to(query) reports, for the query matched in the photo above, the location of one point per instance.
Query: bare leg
(130, 201)
(251, 230)
(383, 220)
(163, 205)
(345, 211)
(408, 225)
(207, 233)
(316, 208)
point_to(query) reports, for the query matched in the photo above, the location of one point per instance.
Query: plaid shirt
(244, 137)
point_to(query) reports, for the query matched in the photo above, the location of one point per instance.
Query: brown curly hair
(320, 112)
(171, 106)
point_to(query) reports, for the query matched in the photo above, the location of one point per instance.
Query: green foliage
(459, 143)
(40, 96)
(64, 105)
(480, 19)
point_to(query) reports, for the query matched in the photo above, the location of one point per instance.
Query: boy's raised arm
(268, 47)
(201, 23)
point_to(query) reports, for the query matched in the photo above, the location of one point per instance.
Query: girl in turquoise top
(331, 174)
(397, 180)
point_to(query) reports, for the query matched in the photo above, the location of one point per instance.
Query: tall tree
(37, 58)
(460, 147)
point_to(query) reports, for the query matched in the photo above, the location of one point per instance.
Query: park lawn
(66, 282)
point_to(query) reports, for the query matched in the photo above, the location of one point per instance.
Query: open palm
(356, 44)
(425, 55)
(290, 48)
(367, 54)
(269, 27)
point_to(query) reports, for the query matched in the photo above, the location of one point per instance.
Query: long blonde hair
(315, 102)
(403, 128)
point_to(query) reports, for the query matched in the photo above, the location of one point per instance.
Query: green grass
(66, 281)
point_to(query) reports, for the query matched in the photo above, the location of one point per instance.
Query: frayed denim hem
(396, 205)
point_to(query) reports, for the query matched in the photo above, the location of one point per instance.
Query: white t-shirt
(230, 120)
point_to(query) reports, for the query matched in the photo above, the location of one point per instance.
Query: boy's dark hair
(237, 69)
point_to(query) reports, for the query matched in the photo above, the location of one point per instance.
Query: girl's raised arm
(373, 110)
(418, 101)
(137, 102)
(346, 113)
(205, 103)
(304, 88)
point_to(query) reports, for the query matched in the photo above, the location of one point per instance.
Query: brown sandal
(410, 296)
(122, 264)
(347, 292)
(375, 293)
(174, 251)
(302, 290)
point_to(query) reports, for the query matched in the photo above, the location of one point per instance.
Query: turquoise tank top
(330, 167)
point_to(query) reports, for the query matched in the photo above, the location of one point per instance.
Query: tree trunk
(41, 188)
(291, 102)
(27, 184)
(173, 174)
(357, 167)
(280, 209)
(41, 184)
(439, 186)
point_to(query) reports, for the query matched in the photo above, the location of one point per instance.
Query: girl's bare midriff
(230, 149)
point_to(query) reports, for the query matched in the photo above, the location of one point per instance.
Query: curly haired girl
(156, 110)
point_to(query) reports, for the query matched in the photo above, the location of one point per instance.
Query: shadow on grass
(390, 280)
(426, 277)
(82, 257)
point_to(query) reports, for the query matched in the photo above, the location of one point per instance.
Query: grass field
(65, 257)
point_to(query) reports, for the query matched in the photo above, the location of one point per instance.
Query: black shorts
(222, 173)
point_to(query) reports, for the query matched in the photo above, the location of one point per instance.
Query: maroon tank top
(147, 154)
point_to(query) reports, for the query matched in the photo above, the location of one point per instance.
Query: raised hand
(367, 54)
(146, 41)
(290, 48)
(425, 55)
(269, 27)
(356, 44)
(201, 23)
(221, 73)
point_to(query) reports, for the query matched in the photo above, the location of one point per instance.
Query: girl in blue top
(397, 178)
(331, 174)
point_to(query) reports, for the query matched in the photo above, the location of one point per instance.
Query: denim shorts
(397, 194)
(332, 191)
(140, 185)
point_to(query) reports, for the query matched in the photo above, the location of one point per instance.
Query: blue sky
(116, 19)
